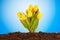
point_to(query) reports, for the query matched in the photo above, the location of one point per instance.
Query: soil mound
(30, 36)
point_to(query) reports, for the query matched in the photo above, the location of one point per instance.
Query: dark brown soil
(30, 36)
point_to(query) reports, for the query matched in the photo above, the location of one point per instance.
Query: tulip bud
(39, 15)
(30, 7)
(35, 8)
(23, 17)
(19, 14)
(29, 13)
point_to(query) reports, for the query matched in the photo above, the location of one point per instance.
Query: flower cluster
(31, 18)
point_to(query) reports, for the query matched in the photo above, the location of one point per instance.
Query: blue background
(9, 22)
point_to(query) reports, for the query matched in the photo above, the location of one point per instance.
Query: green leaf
(24, 24)
(33, 18)
(35, 24)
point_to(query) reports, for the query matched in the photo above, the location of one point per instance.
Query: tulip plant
(30, 20)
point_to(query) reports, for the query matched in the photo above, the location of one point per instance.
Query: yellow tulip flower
(19, 14)
(35, 8)
(39, 15)
(23, 17)
(30, 7)
(29, 13)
